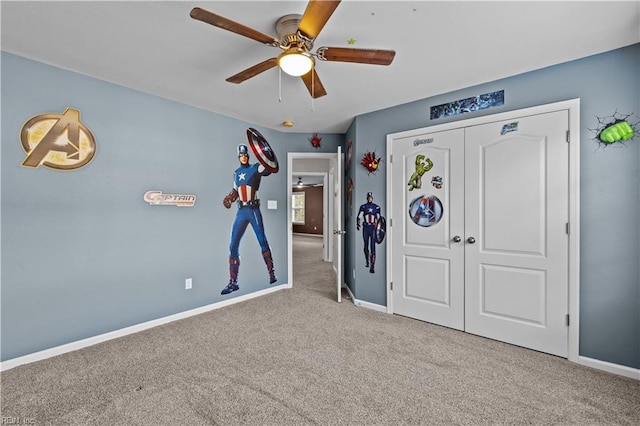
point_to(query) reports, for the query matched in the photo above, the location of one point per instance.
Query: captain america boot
(234, 267)
(269, 262)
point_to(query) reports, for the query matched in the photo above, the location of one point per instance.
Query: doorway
(485, 246)
(324, 165)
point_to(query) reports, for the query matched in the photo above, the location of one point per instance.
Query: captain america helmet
(243, 150)
(369, 195)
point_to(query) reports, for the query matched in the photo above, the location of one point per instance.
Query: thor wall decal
(57, 141)
(157, 198)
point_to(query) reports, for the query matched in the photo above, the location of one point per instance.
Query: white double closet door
(479, 241)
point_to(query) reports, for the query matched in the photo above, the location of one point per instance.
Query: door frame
(573, 106)
(328, 220)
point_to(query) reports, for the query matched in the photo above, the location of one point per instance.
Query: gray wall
(609, 197)
(82, 253)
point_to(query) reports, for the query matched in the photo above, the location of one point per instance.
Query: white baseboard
(621, 370)
(363, 304)
(90, 341)
(368, 305)
(618, 369)
(344, 285)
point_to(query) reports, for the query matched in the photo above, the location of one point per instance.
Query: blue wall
(82, 253)
(609, 197)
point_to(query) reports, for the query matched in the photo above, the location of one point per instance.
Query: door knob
(471, 240)
(457, 239)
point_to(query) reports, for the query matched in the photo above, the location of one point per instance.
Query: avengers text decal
(157, 198)
(57, 141)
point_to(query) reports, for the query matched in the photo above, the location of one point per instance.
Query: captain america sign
(246, 182)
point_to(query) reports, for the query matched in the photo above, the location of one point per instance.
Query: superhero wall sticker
(374, 227)
(425, 210)
(246, 182)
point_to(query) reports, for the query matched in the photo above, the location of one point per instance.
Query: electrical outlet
(188, 284)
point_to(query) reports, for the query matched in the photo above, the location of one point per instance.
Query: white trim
(90, 341)
(609, 367)
(369, 305)
(389, 235)
(349, 291)
(363, 304)
(573, 106)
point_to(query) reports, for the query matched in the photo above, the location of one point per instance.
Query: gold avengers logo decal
(57, 141)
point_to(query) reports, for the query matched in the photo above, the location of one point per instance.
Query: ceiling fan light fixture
(295, 62)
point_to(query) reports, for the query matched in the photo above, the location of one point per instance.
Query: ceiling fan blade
(315, 16)
(253, 71)
(314, 85)
(229, 25)
(362, 56)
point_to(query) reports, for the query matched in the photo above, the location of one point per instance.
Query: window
(298, 208)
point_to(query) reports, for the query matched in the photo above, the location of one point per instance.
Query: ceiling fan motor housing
(288, 34)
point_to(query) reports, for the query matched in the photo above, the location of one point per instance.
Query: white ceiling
(442, 46)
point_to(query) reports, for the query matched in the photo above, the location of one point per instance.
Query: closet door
(516, 242)
(427, 208)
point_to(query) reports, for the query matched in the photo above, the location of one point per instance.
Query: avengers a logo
(57, 141)
(426, 210)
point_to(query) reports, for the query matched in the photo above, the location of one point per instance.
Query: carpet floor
(298, 357)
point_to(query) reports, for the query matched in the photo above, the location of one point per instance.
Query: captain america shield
(262, 150)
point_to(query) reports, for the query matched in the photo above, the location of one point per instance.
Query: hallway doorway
(328, 243)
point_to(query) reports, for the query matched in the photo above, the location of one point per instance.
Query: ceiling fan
(296, 35)
(301, 184)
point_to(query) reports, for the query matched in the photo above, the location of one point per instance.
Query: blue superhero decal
(246, 182)
(370, 213)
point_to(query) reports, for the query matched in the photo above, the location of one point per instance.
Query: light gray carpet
(298, 357)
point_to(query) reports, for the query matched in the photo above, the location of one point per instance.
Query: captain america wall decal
(374, 228)
(246, 182)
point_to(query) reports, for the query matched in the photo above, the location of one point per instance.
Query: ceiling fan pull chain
(313, 91)
(279, 84)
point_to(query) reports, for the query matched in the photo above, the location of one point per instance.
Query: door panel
(516, 195)
(513, 294)
(436, 289)
(428, 211)
(508, 165)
